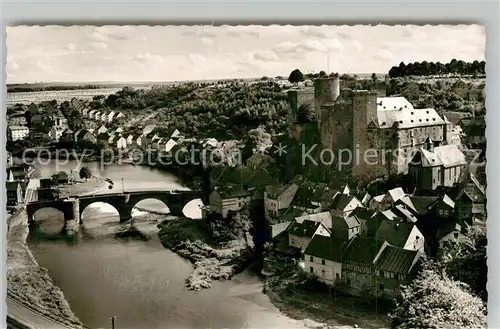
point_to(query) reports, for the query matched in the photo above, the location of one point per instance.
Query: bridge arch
(150, 204)
(98, 213)
(192, 208)
(49, 220)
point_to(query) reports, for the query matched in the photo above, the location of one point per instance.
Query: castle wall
(299, 97)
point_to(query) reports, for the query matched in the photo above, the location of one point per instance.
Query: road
(30, 318)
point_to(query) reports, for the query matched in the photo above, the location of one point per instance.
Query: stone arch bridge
(73, 207)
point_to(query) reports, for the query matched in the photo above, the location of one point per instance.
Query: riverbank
(301, 297)
(83, 187)
(30, 284)
(212, 260)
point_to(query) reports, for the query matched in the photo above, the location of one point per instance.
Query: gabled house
(375, 202)
(112, 140)
(224, 200)
(130, 139)
(322, 217)
(119, 115)
(119, 130)
(83, 135)
(345, 228)
(110, 116)
(102, 129)
(55, 133)
(400, 234)
(442, 166)
(377, 267)
(166, 145)
(97, 116)
(474, 130)
(420, 206)
(278, 197)
(281, 223)
(121, 143)
(91, 114)
(67, 135)
(104, 117)
(362, 215)
(343, 204)
(300, 233)
(391, 197)
(475, 189)
(450, 233)
(103, 138)
(323, 258)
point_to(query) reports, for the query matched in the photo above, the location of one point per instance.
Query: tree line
(455, 66)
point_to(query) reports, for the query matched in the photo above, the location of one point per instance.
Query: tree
(85, 173)
(258, 140)
(296, 76)
(322, 74)
(374, 77)
(433, 300)
(305, 114)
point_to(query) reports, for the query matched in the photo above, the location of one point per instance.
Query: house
(119, 130)
(83, 135)
(443, 166)
(104, 117)
(14, 193)
(110, 116)
(156, 143)
(445, 207)
(475, 189)
(102, 129)
(390, 198)
(322, 217)
(364, 197)
(118, 116)
(362, 215)
(130, 139)
(343, 204)
(166, 146)
(377, 268)
(300, 233)
(278, 197)
(91, 114)
(457, 136)
(55, 133)
(16, 133)
(121, 143)
(400, 234)
(345, 228)
(285, 217)
(224, 200)
(103, 138)
(323, 258)
(450, 233)
(67, 135)
(420, 206)
(474, 130)
(376, 201)
(303, 200)
(112, 140)
(97, 116)
(259, 160)
(85, 112)
(16, 174)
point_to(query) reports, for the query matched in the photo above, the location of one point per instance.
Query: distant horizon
(173, 81)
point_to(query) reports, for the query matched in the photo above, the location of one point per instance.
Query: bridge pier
(72, 216)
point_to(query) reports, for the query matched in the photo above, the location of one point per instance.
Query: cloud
(266, 56)
(197, 59)
(12, 65)
(42, 66)
(314, 31)
(207, 41)
(415, 35)
(383, 54)
(344, 36)
(357, 45)
(147, 58)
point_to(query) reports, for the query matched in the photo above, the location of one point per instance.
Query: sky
(175, 53)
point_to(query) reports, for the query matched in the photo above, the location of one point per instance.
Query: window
(311, 259)
(323, 274)
(311, 269)
(337, 276)
(322, 262)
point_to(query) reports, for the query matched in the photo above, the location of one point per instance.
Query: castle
(373, 136)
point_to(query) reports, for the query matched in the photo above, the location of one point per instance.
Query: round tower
(327, 89)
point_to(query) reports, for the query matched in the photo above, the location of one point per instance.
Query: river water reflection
(140, 282)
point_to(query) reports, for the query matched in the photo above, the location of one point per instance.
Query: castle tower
(326, 90)
(447, 131)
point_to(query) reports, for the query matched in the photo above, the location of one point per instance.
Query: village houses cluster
(361, 242)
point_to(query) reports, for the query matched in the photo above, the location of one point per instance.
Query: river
(141, 282)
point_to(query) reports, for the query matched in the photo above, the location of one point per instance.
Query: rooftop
(396, 260)
(326, 247)
(395, 232)
(305, 229)
(446, 155)
(398, 110)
